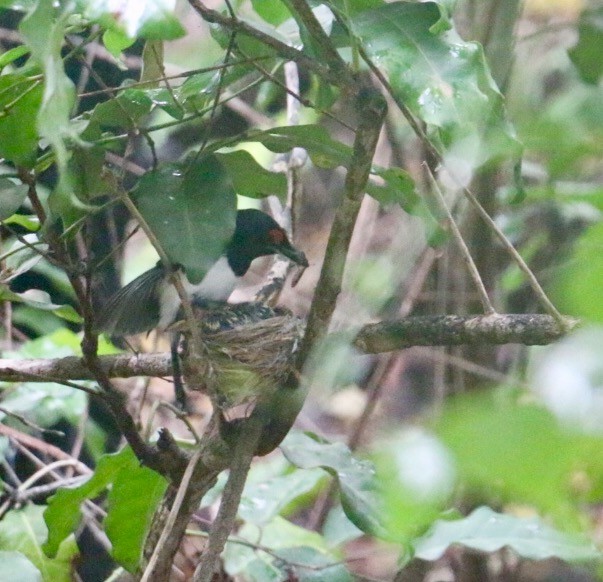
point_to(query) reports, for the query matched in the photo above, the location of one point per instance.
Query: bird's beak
(293, 254)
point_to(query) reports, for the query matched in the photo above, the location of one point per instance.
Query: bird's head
(256, 235)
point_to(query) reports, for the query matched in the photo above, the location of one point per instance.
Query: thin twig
(31, 424)
(460, 242)
(174, 511)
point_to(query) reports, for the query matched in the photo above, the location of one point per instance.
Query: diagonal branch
(373, 109)
(283, 50)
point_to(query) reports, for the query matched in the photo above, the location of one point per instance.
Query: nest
(249, 352)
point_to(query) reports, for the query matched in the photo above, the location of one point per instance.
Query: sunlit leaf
(134, 495)
(191, 208)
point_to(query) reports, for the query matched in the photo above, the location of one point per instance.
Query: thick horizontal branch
(443, 330)
(73, 368)
(454, 330)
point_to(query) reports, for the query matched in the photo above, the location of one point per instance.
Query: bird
(151, 301)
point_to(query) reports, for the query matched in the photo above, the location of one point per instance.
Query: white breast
(217, 285)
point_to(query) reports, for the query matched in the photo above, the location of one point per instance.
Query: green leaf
(356, 479)
(150, 19)
(133, 499)
(18, 4)
(274, 13)
(23, 530)
(125, 111)
(12, 55)
(44, 31)
(191, 208)
(510, 450)
(15, 566)
(63, 514)
(324, 151)
(249, 178)
(586, 54)
(20, 98)
(441, 78)
(135, 494)
(576, 281)
(487, 531)
(261, 502)
(11, 197)
(418, 478)
(116, 41)
(31, 222)
(22, 256)
(282, 536)
(164, 98)
(312, 565)
(86, 166)
(41, 300)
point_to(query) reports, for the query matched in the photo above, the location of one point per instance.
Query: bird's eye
(277, 236)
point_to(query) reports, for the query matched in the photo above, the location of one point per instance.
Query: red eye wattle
(277, 236)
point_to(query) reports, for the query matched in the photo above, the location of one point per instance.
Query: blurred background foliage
(468, 464)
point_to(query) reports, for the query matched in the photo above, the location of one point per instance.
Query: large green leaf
(388, 186)
(22, 256)
(151, 19)
(23, 530)
(20, 99)
(11, 197)
(132, 501)
(125, 111)
(440, 78)
(15, 566)
(191, 208)
(488, 531)
(418, 478)
(261, 502)
(46, 403)
(295, 551)
(510, 450)
(41, 300)
(249, 178)
(586, 55)
(356, 479)
(44, 31)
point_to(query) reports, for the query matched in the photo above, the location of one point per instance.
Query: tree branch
(373, 108)
(386, 336)
(283, 50)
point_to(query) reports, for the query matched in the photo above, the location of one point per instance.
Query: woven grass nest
(249, 351)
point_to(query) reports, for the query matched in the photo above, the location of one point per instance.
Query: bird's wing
(135, 307)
